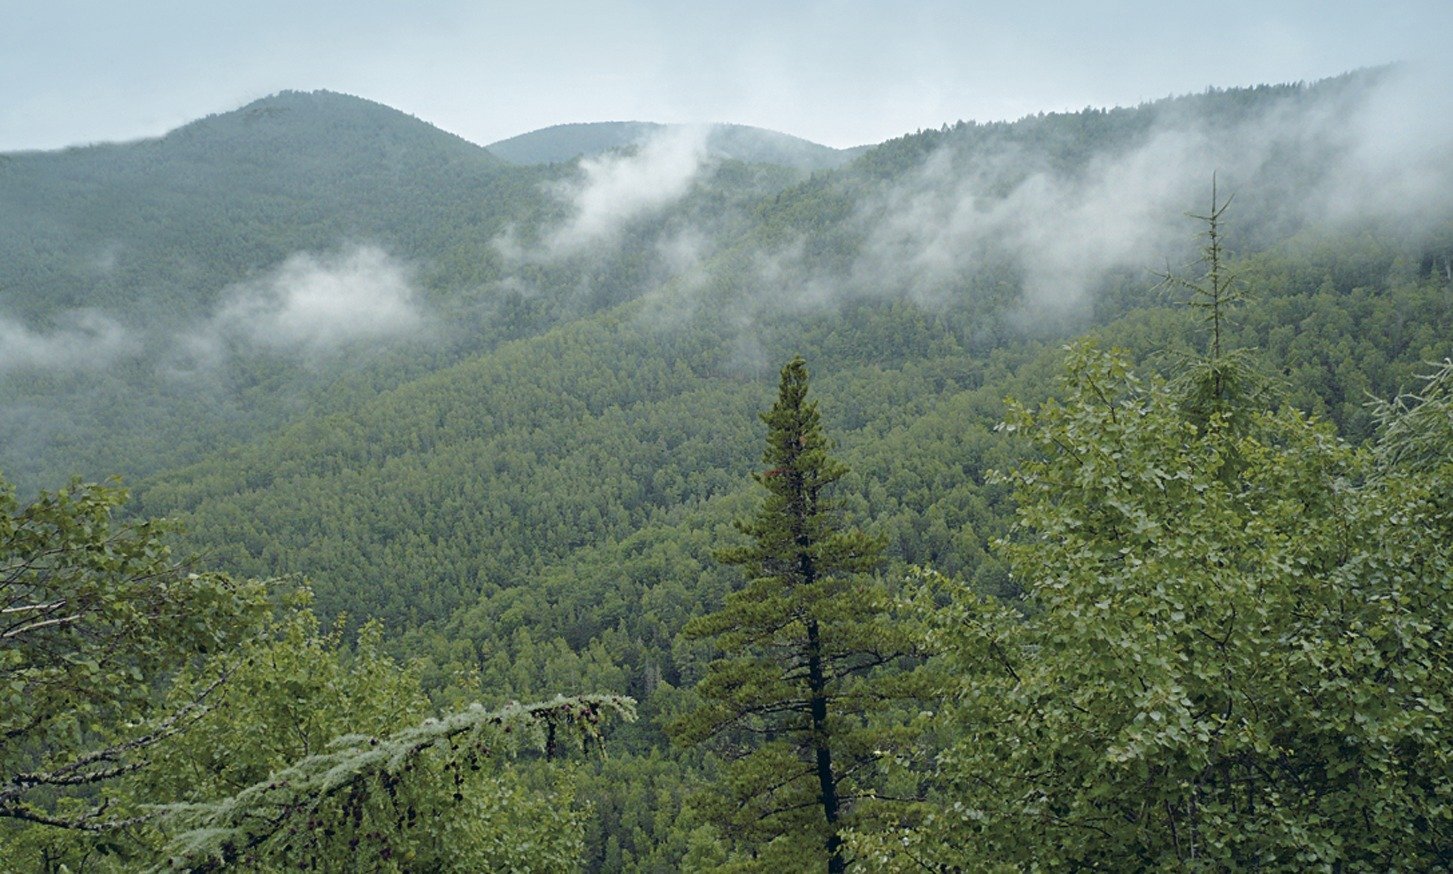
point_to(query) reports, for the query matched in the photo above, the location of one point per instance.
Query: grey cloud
(311, 301)
(1395, 161)
(84, 339)
(1383, 156)
(616, 189)
(1060, 228)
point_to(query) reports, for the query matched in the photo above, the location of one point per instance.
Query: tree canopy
(157, 717)
(1233, 652)
(94, 613)
(804, 646)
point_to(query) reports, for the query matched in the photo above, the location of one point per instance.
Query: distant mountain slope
(116, 261)
(481, 478)
(319, 122)
(566, 142)
(171, 220)
(143, 285)
(909, 275)
(119, 264)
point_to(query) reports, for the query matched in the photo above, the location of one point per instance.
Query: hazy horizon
(838, 73)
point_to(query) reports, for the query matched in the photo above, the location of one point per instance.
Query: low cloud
(1048, 214)
(308, 303)
(616, 189)
(1062, 231)
(1394, 156)
(1377, 153)
(313, 301)
(82, 340)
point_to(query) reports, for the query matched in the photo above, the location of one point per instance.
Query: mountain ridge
(570, 141)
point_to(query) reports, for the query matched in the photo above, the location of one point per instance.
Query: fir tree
(804, 643)
(1223, 379)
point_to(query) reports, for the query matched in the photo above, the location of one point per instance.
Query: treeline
(1224, 647)
(1092, 608)
(596, 435)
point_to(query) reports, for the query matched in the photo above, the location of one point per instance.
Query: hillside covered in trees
(1133, 547)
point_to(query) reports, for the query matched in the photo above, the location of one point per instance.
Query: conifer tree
(804, 643)
(1222, 380)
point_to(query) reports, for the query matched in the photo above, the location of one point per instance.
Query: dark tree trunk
(826, 781)
(817, 686)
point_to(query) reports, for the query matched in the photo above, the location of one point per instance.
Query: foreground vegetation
(1231, 651)
(1181, 605)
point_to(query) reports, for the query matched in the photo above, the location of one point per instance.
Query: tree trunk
(826, 782)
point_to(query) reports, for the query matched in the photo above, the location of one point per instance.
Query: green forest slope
(567, 142)
(527, 490)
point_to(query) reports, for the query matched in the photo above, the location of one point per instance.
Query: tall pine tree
(804, 645)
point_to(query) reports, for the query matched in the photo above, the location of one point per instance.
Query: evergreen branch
(89, 821)
(81, 771)
(225, 830)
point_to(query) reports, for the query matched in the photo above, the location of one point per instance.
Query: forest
(1075, 492)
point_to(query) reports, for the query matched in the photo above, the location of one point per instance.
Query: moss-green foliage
(282, 693)
(807, 652)
(310, 754)
(289, 693)
(424, 797)
(1235, 651)
(94, 612)
(528, 500)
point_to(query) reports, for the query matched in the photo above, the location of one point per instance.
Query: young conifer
(789, 701)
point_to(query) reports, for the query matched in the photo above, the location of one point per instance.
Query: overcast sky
(841, 73)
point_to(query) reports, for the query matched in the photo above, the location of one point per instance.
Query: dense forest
(1072, 492)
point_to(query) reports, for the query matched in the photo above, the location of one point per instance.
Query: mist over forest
(1115, 531)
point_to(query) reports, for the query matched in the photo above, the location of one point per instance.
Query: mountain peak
(320, 119)
(567, 142)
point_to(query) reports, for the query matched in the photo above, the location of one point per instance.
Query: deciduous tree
(94, 614)
(1236, 651)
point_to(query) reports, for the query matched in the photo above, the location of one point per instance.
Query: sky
(842, 73)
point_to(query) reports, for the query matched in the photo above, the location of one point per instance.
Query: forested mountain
(185, 292)
(566, 142)
(739, 142)
(481, 475)
(87, 226)
(507, 408)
